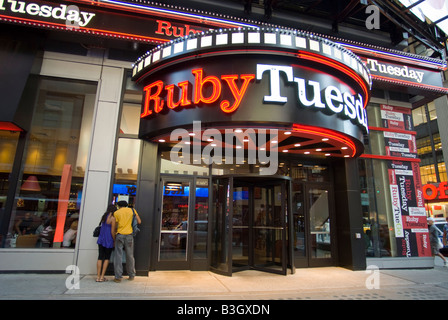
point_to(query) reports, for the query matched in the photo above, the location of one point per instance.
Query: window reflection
(54, 160)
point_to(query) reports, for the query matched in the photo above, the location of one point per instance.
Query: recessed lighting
(274, 141)
(288, 132)
(344, 148)
(285, 150)
(238, 130)
(325, 139)
(262, 148)
(192, 134)
(307, 152)
(161, 140)
(327, 154)
(346, 156)
(297, 145)
(318, 149)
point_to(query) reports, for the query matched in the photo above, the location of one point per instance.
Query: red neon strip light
(378, 55)
(410, 83)
(325, 133)
(393, 130)
(82, 29)
(379, 157)
(339, 66)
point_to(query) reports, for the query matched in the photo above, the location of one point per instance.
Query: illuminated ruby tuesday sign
(310, 94)
(272, 78)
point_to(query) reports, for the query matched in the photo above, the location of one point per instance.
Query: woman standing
(105, 242)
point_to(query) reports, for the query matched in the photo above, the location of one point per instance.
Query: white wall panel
(111, 83)
(71, 70)
(104, 134)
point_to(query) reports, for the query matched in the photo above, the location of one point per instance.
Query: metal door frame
(175, 264)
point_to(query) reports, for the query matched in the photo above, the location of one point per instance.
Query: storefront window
(377, 208)
(388, 186)
(47, 202)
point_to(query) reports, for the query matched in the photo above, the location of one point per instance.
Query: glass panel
(55, 157)
(201, 219)
(182, 164)
(130, 112)
(309, 172)
(8, 145)
(174, 222)
(298, 220)
(319, 223)
(220, 226)
(125, 184)
(240, 227)
(268, 227)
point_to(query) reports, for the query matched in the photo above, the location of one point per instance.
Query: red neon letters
(435, 191)
(155, 92)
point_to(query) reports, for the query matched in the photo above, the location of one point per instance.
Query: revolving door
(249, 224)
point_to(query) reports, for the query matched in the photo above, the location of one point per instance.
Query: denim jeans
(126, 242)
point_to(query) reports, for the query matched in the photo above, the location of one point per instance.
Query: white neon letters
(71, 14)
(311, 95)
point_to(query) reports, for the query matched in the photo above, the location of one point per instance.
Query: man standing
(434, 240)
(124, 239)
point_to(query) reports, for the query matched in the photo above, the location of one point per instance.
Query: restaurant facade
(242, 145)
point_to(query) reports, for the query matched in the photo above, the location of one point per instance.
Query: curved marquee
(256, 78)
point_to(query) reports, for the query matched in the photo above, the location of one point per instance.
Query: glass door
(174, 226)
(269, 227)
(241, 223)
(220, 227)
(313, 224)
(320, 225)
(184, 211)
(248, 224)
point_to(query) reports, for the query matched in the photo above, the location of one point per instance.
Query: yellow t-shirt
(123, 218)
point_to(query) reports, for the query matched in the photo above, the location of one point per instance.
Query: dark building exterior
(242, 141)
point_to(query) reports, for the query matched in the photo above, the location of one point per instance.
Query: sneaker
(131, 278)
(117, 280)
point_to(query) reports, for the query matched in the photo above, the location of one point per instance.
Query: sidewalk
(331, 283)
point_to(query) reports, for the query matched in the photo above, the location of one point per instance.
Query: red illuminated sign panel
(434, 192)
(310, 94)
(153, 92)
